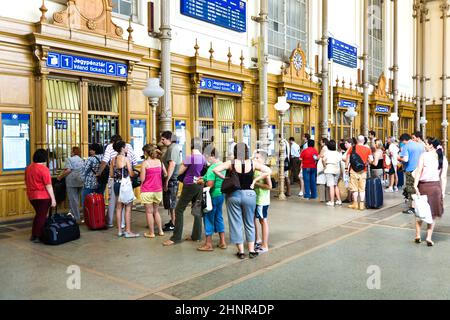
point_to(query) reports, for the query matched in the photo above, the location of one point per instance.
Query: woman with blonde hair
(376, 167)
(152, 173)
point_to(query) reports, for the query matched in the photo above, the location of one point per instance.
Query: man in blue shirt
(409, 155)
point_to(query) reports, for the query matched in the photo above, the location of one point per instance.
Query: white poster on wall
(138, 141)
(14, 153)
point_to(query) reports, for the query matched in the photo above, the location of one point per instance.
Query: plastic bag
(126, 194)
(422, 208)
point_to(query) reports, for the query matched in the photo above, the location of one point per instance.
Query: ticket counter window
(343, 125)
(381, 126)
(226, 121)
(298, 123)
(406, 125)
(206, 120)
(103, 113)
(294, 122)
(63, 121)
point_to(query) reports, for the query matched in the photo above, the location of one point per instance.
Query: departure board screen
(229, 14)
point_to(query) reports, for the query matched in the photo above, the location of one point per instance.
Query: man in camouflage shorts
(410, 154)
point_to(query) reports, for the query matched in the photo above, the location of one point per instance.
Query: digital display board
(230, 14)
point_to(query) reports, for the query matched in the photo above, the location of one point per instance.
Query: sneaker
(389, 190)
(169, 227)
(110, 225)
(300, 194)
(395, 189)
(261, 250)
(409, 211)
(339, 203)
(330, 204)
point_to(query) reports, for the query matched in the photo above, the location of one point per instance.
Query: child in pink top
(152, 172)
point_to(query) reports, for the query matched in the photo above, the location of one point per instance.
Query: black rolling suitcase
(60, 229)
(374, 192)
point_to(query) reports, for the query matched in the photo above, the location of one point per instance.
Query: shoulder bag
(231, 183)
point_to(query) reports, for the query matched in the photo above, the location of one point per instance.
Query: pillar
(165, 36)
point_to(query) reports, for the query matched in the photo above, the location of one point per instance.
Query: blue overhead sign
(83, 64)
(298, 96)
(347, 104)
(230, 14)
(382, 109)
(342, 53)
(221, 85)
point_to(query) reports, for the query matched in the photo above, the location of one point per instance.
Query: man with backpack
(108, 155)
(356, 161)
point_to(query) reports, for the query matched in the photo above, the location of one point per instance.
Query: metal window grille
(376, 47)
(103, 98)
(287, 26)
(205, 107)
(380, 122)
(343, 125)
(63, 121)
(102, 128)
(226, 116)
(206, 127)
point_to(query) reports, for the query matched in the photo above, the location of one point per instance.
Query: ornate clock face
(298, 61)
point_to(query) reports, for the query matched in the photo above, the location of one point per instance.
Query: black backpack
(356, 162)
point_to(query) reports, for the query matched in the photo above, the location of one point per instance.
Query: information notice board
(15, 141)
(138, 137)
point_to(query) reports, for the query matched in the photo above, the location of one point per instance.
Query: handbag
(126, 194)
(136, 181)
(422, 208)
(231, 183)
(59, 187)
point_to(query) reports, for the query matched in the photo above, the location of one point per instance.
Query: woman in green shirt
(213, 220)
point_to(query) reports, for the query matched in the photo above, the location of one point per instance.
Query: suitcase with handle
(60, 229)
(94, 211)
(374, 192)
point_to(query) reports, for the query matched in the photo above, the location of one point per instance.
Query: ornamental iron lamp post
(351, 114)
(423, 121)
(282, 106)
(394, 119)
(153, 92)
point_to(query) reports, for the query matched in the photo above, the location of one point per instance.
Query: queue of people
(243, 183)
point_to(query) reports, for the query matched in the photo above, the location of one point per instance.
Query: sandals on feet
(205, 248)
(222, 246)
(131, 235)
(240, 255)
(252, 255)
(161, 234)
(168, 243)
(430, 243)
(148, 235)
(417, 240)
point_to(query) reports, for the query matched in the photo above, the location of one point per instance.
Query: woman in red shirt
(309, 158)
(39, 191)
